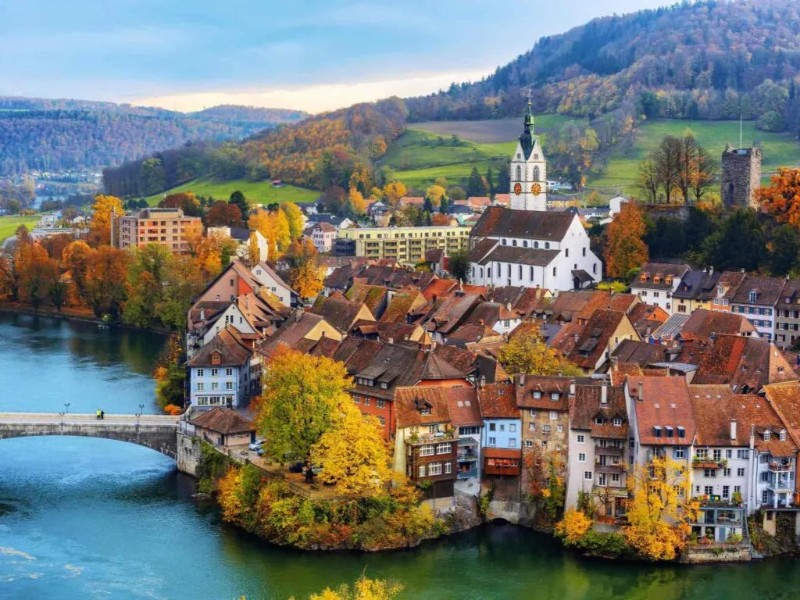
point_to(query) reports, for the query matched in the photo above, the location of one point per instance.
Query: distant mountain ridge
(56, 135)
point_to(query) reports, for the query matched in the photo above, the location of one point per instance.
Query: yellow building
(406, 244)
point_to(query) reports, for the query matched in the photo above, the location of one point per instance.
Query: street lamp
(66, 407)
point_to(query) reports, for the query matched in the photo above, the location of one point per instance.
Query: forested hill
(706, 60)
(57, 135)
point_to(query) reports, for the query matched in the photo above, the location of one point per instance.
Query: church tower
(528, 170)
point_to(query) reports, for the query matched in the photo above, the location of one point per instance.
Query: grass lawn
(258, 192)
(8, 225)
(490, 130)
(779, 149)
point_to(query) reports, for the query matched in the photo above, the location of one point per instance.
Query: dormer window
(668, 280)
(555, 396)
(617, 421)
(384, 385)
(537, 395)
(657, 279)
(767, 435)
(657, 431)
(753, 296)
(681, 432)
(425, 411)
(670, 432)
(782, 435)
(599, 420)
(643, 277)
(216, 358)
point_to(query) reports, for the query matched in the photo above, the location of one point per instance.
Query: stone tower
(528, 170)
(741, 176)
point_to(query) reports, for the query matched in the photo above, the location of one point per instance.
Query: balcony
(608, 451)
(708, 463)
(429, 438)
(781, 466)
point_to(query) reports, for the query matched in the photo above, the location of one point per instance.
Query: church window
(520, 271)
(554, 271)
(594, 268)
(566, 252)
(514, 242)
(547, 245)
(519, 173)
(535, 244)
(536, 173)
(508, 270)
(584, 251)
(504, 241)
(525, 243)
(531, 273)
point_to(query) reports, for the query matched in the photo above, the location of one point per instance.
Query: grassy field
(8, 225)
(779, 149)
(489, 131)
(258, 192)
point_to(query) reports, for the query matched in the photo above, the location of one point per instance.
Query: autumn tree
(363, 589)
(37, 279)
(186, 201)
(660, 509)
(106, 281)
(13, 268)
(392, 192)
(237, 198)
(781, 198)
(354, 453)
(529, 355)
(100, 226)
(435, 194)
(440, 219)
(573, 526)
(76, 258)
(146, 275)
(223, 214)
(274, 226)
(356, 200)
(307, 279)
(625, 247)
(301, 398)
(294, 218)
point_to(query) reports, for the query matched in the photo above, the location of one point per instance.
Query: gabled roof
(463, 406)
(784, 398)
(401, 304)
(651, 271)
(223, 420)
(228, 346)
(523, 224)
(273, 275)
(498, 401)
(584, 345)
(412, 402)
(452, 312)
(437, 368)
(639, 353)
(768, 290)
(296, 329)
(340, 312)
(373, 296)
(716, 406)
(393, 365)
(698, 285)
(664, 404)
(540, 391)
(704, 324)
(519, 256)
(588, 407)
(438, 288)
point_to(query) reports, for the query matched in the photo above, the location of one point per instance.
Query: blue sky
(313, 55)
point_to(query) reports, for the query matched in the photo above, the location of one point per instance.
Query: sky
(302, 54)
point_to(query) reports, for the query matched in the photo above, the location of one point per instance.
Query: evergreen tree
(490, 181)
(239, 200)
(738, 243)
(475, 185)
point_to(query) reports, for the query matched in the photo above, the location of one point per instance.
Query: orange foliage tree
(781, 198)
(625, 247)
(100, 226)
(223, 214)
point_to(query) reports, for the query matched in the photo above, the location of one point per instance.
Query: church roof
(521, 256)
(497, 221)
(527, 140)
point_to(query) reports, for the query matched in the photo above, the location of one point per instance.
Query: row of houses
(771, 304)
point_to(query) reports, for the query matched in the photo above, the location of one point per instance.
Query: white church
(527, 245)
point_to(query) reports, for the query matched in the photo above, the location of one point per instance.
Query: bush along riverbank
(317, 519)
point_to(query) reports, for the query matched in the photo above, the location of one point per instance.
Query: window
(422, 470)
(448, 468)
(554, 271)
(587, 475)
(618, 422)
(529, 443)
(584, 252)
(200, 372)
(512, 442)
(532, 426)
(444, 448)
(566, 252)
(512, 428)
(678, 453)
(726, 472)
(367, 402)
(764, 497)
(502, 426)
(615, 477)
(717, 453)
(728, 453)
(214, 372)
(701, 453)
(492, 441)
(214, 385)
(554, 396)
(492, 426)
(737, 488)
(228, 385)
(708, 490)
(544, 445)
(560, 428)
(765, 477)
(581, 438)
(601, 479)
(435, 469)
(582, 457)
(709, 472)
(200, 387)
(743, 453)
(380, 403)
(726, 491)
(426, 451)
(740, 472)
(545, 428)
(553, 415)
(229, 372)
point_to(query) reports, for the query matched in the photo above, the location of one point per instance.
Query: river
(89, 518)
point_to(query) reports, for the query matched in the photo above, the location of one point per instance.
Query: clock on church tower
(528, 170)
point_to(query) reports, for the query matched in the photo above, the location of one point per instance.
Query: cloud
(316, 97)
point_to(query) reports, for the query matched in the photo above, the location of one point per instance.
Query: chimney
(733, 429)
(482, 381)
(572, 387)
(202, 315)
(752, 437)
(711, 270)
(520, 380)
(390, 340)
(640, 391)
(604, 394)
(508, 305)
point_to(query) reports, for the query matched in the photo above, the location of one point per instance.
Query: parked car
(296, 467)
(255, 445)
(260, 451)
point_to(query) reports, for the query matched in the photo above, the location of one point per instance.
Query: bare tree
(648, 178)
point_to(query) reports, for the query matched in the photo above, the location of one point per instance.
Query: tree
(573, 526)
(307, 279)
(294, 218)
(705, 174)
(440, 219)
(363, 589)
(186, 201)
(106, 277)
(738, 243)
(273, 226)
(459, 265)
(667, 159)
(301, 397)
(784, 250)
(435, 194)
(476, 185)
(625, 247)
(100, 226)
(781, 198)
(238, 199)
(529, 355)
(223, 214)
(393, 191)
(146, 275)
(354, 454)
(357, 203)
(38, 277)
(660, 509)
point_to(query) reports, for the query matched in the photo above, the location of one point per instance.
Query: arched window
(536, 173)
(519, 173)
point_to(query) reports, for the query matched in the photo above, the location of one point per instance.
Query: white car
(255, 445)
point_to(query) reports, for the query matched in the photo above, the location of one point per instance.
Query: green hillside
(622, 166)
(8, 225)
(258, 192)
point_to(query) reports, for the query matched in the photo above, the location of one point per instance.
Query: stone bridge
(157, 432)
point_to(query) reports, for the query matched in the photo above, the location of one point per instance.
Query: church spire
(526, 139)
(529, 115)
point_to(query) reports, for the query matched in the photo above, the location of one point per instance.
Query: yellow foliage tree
(100, 226)
(275, 227)
(625, 247)
(354, 454)
(529, 355)
(781, 198)
(660, 509)
(307, 279)
(573, 526)
(363, 589)
(294, 218)
(357, 202)
(392, 192)
(435, 193)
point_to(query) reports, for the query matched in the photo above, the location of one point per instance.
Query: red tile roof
(498, 401)
(664, 404)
